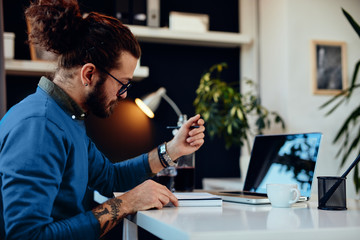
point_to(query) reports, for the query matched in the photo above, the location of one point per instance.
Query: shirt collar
(62, 98)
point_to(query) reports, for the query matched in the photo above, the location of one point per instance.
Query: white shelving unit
(39, 68)
(210, 38)
(143, 34)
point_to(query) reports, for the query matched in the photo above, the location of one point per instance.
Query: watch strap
(162, 160)
(164, 156)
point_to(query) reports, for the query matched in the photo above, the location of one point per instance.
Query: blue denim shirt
(48, 164)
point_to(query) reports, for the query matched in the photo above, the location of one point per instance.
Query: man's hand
(145, 196)
(148, 195)
(187, 140)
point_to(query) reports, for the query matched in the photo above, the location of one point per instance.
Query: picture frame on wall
(328, 63)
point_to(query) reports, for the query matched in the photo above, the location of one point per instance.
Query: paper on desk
(198, 199)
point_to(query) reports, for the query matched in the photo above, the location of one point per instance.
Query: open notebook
(286, 158)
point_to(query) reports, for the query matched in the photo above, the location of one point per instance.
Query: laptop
(285, 158)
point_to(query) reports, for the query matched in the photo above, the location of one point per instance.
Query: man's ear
(87, 74)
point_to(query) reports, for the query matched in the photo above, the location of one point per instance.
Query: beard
(96, 100)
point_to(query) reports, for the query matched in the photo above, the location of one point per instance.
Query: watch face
(163, 149)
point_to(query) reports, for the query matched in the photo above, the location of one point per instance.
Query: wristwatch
(163, 154)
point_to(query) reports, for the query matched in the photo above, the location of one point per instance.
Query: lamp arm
(172, 104)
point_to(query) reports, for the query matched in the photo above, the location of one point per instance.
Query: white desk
(241, 221)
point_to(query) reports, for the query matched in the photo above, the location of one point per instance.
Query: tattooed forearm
(109, 214)
(115, 205)
(115, 210)
(98, 214)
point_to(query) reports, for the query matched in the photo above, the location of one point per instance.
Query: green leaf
(233, 111)
(260, 123)
(229, 129)
(239, 114)
(335, 107)
(352, 22)
(342, 93)
(205, 116)
(351, 148)
(356, 70)
(352, 117)
(356, 178)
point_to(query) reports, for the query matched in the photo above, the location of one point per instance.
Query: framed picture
(39, 54)
(328, 63)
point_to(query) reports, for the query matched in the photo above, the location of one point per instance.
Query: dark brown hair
(59, 27)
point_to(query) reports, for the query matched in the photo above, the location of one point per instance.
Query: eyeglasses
(124, 87)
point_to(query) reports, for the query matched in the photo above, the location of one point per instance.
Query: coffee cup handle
(297, 195)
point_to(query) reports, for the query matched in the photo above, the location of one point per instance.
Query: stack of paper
(198, 199)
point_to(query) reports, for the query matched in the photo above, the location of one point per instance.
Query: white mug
(282, 195)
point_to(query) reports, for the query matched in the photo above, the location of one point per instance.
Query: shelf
(39, 68)
(28, 68)
(210, 38)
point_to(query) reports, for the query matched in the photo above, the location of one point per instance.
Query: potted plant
(227, 112)
(349, 132)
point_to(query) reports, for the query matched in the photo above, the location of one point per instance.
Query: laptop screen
(288, 158)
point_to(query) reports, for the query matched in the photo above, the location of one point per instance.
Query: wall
(286, 28)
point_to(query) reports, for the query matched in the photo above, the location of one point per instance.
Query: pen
(177, 127)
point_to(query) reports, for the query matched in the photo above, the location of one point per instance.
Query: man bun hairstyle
(59, 27)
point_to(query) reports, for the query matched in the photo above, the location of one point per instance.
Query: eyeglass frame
(124, 87)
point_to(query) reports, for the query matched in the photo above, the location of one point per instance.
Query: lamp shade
(151, 102)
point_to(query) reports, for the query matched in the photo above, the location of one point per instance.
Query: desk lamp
(151, 102)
